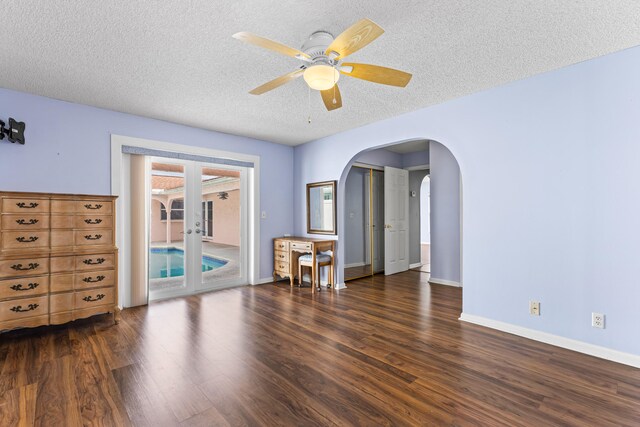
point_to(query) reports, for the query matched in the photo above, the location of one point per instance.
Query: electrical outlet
(534, 308)
(597, 320)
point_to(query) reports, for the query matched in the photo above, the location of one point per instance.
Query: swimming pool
(169, 262)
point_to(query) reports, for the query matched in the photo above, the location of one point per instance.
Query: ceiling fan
(322, 56)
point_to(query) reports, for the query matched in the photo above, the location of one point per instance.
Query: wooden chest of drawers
(58, 260)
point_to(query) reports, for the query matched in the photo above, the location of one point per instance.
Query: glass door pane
(167, 264)
(219, 225)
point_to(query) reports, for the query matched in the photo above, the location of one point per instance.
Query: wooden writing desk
(287, 250)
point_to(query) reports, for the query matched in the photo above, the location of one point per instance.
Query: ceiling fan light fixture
(321, 77)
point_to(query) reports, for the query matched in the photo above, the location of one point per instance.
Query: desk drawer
(301, 246)
(280, 256)
(281, 267)
(279, 245)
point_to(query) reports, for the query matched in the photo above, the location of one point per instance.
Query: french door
(197, 227)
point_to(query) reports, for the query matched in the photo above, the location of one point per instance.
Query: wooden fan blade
(355, 38)
(277, 82)
(269, 44)
(328, 97)
(376, 74)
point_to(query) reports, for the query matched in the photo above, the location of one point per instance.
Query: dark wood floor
(385, 351)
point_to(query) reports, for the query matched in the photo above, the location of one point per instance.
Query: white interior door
(396, 219)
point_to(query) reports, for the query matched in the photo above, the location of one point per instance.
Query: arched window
(177, 210)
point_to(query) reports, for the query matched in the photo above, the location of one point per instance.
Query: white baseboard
(416, 265)
(444, 282)
(340, 286)
(264, 280)
(556, 340)
(355, 264)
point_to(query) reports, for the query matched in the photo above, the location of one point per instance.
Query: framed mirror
(321, 207)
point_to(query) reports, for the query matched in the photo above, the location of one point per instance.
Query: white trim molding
(556, 340)
(415, 265)
(437, 281)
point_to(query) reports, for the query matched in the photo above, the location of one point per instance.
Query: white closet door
(396, 218)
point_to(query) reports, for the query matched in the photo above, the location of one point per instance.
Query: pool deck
(229, 253)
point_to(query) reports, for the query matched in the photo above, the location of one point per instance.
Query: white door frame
(120, 187)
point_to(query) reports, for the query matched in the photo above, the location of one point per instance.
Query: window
(177, 210)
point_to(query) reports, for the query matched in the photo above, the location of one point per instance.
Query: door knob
(189, 231)
(198, 231)
(197, 224)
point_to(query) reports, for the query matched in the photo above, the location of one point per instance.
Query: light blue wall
(68, 151)
(381, 158)
(419, 158)
(415, 214)
(551, 194)
(445, 214)
(425, 223)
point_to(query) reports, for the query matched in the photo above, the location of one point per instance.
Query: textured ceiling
(176, 60)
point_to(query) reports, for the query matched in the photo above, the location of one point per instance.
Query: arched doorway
(444, 205)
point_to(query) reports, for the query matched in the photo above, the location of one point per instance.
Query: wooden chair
(323, 259)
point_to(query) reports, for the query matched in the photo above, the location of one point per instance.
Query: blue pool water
(169, 262)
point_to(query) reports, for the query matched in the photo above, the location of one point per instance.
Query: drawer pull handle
(281, 256)
(93, 221)
(29, 239)
(29, 287)
(94, 237)
(27, 222)
(19, 267)
(23, 205)
(19, 309)
(92, 280)
(97, 261)
(93, 207)
(98, 298)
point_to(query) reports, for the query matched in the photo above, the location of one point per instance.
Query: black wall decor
(15, 131)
